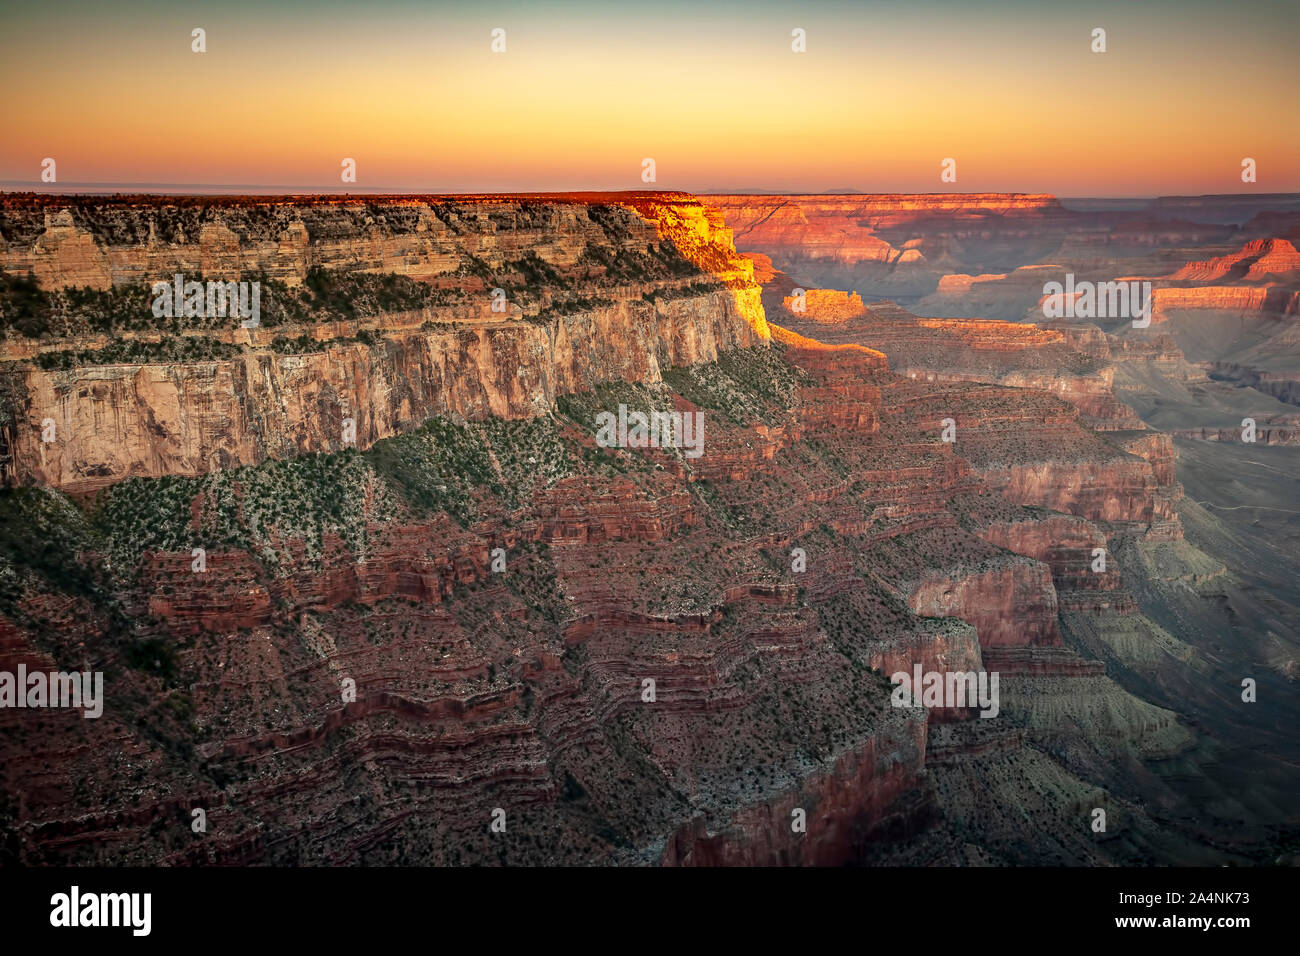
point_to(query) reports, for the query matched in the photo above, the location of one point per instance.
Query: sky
(711, 91)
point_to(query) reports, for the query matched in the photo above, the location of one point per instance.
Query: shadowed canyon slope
(640, 674)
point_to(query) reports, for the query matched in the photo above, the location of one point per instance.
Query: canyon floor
(365, 588)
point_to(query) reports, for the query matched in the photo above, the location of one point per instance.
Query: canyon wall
(650, 678)
(1257, 260)
(1240, 299)
(118, 420)
(845, 229)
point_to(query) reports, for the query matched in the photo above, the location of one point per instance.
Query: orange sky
(714, 94)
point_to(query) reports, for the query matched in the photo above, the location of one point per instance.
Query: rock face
(862, 795)
(992, 295)
(120, 421)
(845, 229)
(103, 242)
(669, 660)
(1061, 361)
(1071, 548)
(125, 420)
(1285, 386)
(1238, 299)
(1265, 434)
(967, 255)
(525, 690)
(826, 305)
(1010, 606)
(1259, 259)
(1223, 348)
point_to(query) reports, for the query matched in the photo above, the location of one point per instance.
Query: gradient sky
(711, 91)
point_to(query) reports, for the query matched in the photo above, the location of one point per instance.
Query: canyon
(647, 680)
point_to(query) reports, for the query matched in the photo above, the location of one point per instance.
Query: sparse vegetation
(141, 351)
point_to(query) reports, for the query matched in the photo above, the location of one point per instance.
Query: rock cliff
(669, 660)
(602, 314)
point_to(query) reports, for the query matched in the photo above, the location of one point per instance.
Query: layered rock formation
(1223, 348)
(1060, 361)
(814, 236)
(670, 659)
(1234, 299)
(1265, 434)
(524, 689)
(122, 420)
(1258, 260)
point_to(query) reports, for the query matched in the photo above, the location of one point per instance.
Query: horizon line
(217, 189)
